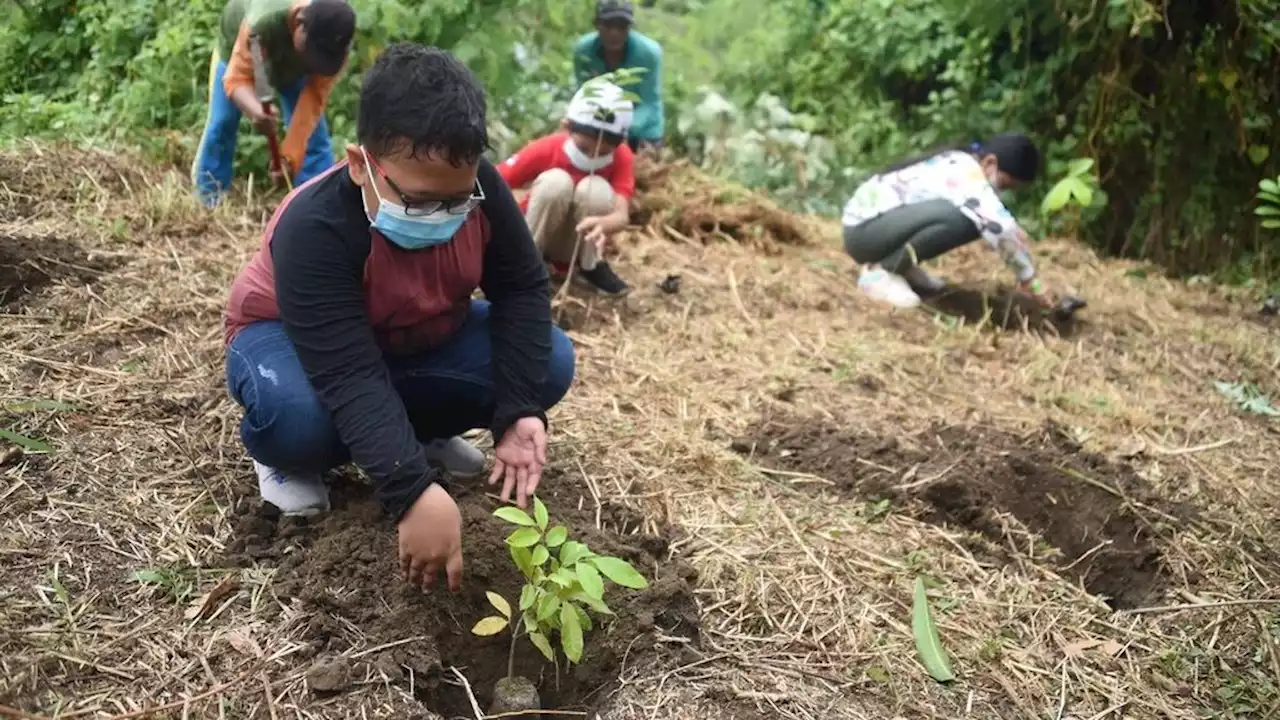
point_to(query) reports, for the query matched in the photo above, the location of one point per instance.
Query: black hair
(422, 100)
(1015, 153)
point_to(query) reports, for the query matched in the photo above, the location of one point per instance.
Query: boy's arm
(237, 82)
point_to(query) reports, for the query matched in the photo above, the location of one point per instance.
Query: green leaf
(1057, 198)
(570, 633)
(583, 618)
(1083, 193)
(594, 604)
(557, 535)
(25, 442)
(1271, 224)
(564, 577)
(1079, 167)
(620, 571)
(571, 552)
(540, 513)
(154, 577)
(524, 537)
(1270, 186)
(540, 641)
(1258, 154)
(1267, 197)
(540, 555)
(514, 515)
(491, 625)
(547, 606)
(499, 603)
(928, 644)
(523, 559)
(590, 580)
(1266, 210)
(528, 595)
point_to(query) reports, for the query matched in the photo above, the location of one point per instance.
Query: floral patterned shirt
(955, 176)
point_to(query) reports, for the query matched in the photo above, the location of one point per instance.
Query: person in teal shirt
(616, 45)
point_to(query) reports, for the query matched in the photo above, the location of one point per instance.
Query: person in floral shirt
(918, 209)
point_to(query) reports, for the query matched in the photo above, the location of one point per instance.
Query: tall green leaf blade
(928, 643)
(26, 443)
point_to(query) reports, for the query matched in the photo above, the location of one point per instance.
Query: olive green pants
(907, 235)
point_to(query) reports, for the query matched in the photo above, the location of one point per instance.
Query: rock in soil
(515, 694)
(330, 675)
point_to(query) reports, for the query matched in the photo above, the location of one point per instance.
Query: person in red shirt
(580, 182)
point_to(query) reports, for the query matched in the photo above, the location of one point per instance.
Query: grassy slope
(805, 592)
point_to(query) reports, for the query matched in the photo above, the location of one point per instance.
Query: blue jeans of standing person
(212, 169)
(446, 391)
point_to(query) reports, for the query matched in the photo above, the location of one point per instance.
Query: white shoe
(879, 284)
(295, 495)
(459, 457)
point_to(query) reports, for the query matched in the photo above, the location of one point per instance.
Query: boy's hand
(264, 121)
(1036, 290)
(431, 539)
(595, 230)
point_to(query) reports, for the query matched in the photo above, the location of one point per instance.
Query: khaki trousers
(556, 206)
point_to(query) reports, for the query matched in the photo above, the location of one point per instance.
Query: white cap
(599, 104)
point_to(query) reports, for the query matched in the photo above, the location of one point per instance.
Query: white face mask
(582, 161)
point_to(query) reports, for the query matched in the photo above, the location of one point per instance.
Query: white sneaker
(459, 457)
(295, 495)
(880, 284)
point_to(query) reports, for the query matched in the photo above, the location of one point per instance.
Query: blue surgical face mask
(408, 231)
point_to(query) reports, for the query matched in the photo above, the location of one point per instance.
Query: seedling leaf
(928, 644)
(1270, 186)
(1080, 166)
(564, 577)
(620, 571)
(547, 606)
(594, 604)
(1083, 193)
(491, 625)
(540, 555)
(523, 559)
(583, 618)
(540, 641)
(499, 603)
(527, 597)
(26, 443)
(540, 513)
(524, 537)
(590, 580)
(514, 515)
(556, 536)
(1057, 198)
(570, 633)
(572, 552)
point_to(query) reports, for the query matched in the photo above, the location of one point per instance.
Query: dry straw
(805, 595)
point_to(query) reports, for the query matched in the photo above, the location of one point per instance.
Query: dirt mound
(345, 573)
(678, 201)
(30, 263)
(1100, 518)
(1003, 310)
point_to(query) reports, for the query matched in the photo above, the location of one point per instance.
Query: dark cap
(330, 26)
(615, 10)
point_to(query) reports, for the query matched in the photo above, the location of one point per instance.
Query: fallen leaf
(1077, 649)
(204, 604)
(244, 643)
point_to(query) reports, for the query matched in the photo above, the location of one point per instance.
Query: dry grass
(804, 594)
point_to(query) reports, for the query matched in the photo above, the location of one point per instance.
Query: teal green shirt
(641, 52)
(269, 19)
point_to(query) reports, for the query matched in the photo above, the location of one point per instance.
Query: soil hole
(344, 570)
(1098, 515)
(28, 264)
(1003, 310)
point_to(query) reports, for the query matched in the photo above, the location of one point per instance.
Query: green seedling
(1269, 203)
(1076, 192)
(563, 579)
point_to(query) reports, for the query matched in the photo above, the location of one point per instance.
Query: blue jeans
(212, 169)
(446, 391)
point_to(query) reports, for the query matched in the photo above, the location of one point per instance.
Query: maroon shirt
(347, 297)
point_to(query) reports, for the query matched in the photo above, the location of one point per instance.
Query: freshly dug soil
(971, 476)
(345, 571)
(30, 263)
(1004, 309)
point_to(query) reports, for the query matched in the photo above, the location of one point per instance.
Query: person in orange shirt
(303, 46)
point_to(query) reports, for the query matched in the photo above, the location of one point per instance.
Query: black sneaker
(602, 278)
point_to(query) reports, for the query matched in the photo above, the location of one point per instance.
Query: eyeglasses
(419, 207)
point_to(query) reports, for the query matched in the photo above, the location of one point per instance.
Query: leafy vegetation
(1172, 101)
(562, 577)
